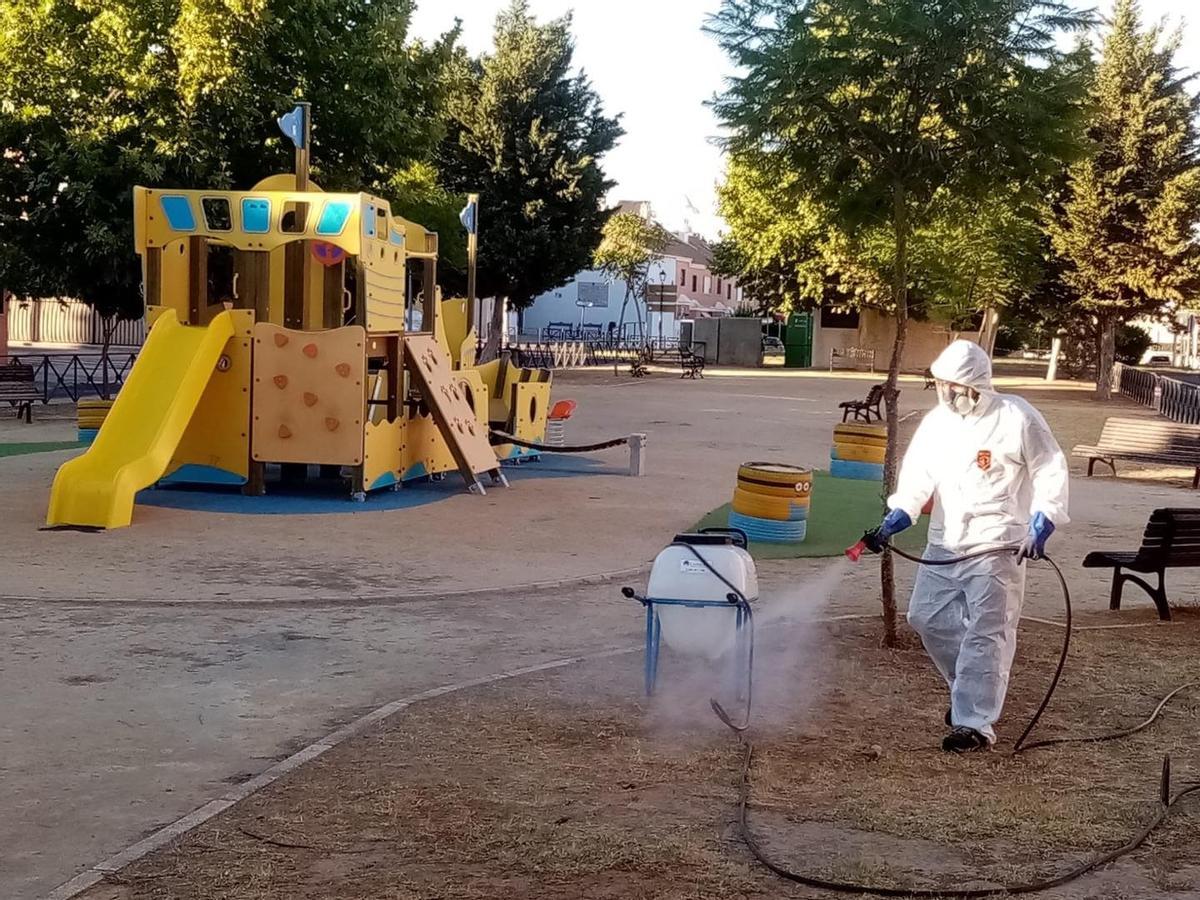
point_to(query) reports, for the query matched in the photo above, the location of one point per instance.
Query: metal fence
(537, 354)
(77, 375)
(1173, 398)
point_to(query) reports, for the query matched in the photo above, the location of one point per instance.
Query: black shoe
(949, 724)
(964, 740)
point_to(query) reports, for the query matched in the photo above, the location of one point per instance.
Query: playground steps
(429, 364)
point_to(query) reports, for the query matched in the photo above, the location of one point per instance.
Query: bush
(1132, 344)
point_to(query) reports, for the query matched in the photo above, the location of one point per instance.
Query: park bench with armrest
(1171, 541)
(1147, 441)
(863, 409)
(18, 388)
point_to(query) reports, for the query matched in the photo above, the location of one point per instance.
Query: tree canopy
(96, 97)
(1126, 228)
(880, 110)
(527, 133)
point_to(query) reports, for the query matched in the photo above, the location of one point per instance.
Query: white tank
(678, 575)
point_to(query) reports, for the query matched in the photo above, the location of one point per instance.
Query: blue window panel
(369, 221)
(333, 218)
(179, 212)
(397, 237)
(256, 215)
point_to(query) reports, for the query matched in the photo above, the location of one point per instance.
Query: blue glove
(894, 522)
(1034, 545)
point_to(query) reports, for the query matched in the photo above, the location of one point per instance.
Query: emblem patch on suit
(983, 459)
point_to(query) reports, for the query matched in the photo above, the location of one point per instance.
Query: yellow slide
(144, 426)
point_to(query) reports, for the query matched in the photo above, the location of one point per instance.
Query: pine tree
(1125, 231)
(527, 134)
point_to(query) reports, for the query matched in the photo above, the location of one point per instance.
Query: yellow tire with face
(779, 477)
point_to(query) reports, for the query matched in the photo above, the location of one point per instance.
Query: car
(1159, 359)
(772, 349)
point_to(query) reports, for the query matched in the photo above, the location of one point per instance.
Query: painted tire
(858, 440)
(766, 531)
(778, 479)
(872, 431)
(800, 491)
(859, 453)
(760, 506)
(857, 471)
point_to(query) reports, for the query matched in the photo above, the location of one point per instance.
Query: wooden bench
(17, 387)
(1171, 541)
(691, 362)
(856, 355)
(1144, 440)
(863, 409)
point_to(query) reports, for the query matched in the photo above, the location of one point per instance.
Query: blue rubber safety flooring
(318, 498)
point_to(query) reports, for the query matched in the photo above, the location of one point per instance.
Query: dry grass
(565, 785)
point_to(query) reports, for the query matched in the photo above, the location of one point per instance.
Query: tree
(95, 98)
(528, 135)
(628, 245)
(1126, 232)
(877, 105)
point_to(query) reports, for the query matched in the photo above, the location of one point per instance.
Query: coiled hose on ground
(1167, 800)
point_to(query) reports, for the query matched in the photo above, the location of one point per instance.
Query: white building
(681, 288)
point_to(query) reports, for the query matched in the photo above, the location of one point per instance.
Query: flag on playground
(292, 125)
(470, 216)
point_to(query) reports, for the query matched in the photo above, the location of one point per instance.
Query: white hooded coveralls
(989, 472)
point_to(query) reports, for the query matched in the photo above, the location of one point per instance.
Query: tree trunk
(491, 347)
(1107, 357)
(900, 227)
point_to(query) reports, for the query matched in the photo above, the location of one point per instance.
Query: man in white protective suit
(998, 478)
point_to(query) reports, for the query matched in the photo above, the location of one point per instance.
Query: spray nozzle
(854, 554)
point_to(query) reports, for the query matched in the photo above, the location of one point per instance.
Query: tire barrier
(858, 451)
(771, 502)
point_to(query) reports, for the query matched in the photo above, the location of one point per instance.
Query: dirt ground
(572, 785)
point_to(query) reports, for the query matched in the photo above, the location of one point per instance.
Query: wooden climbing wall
(309, 397)
(429, 366)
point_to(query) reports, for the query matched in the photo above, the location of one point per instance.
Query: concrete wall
(741, 342)
(826, 339)
(923, 342)
(704, 331)
(730, 342)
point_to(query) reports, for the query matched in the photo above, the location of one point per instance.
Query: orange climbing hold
(281, 340)
(285, 432)
(310, 350)
(310, 399)
(281, 381)
(343, 369)
(331, 423)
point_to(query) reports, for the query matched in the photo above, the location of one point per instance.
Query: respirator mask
(957, 397)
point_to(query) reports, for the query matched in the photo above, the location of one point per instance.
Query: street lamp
(662, 293)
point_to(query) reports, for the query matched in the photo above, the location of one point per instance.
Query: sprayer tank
(678, 574)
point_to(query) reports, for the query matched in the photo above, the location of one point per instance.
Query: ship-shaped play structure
(278, 337)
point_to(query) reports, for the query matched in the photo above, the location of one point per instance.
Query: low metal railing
(78, 375)
(1173, 398)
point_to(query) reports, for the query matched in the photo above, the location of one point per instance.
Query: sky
(650, 61)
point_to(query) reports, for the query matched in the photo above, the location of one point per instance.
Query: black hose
(743, 603)
(848, 887)
(1166, 800)
(1020, 745)
(548, 448)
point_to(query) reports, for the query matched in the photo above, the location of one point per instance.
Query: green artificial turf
(20, 449)
(842, 509)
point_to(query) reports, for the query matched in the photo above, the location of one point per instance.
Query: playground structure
(279, 335)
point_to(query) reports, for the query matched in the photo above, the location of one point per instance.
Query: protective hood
(964, 362)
